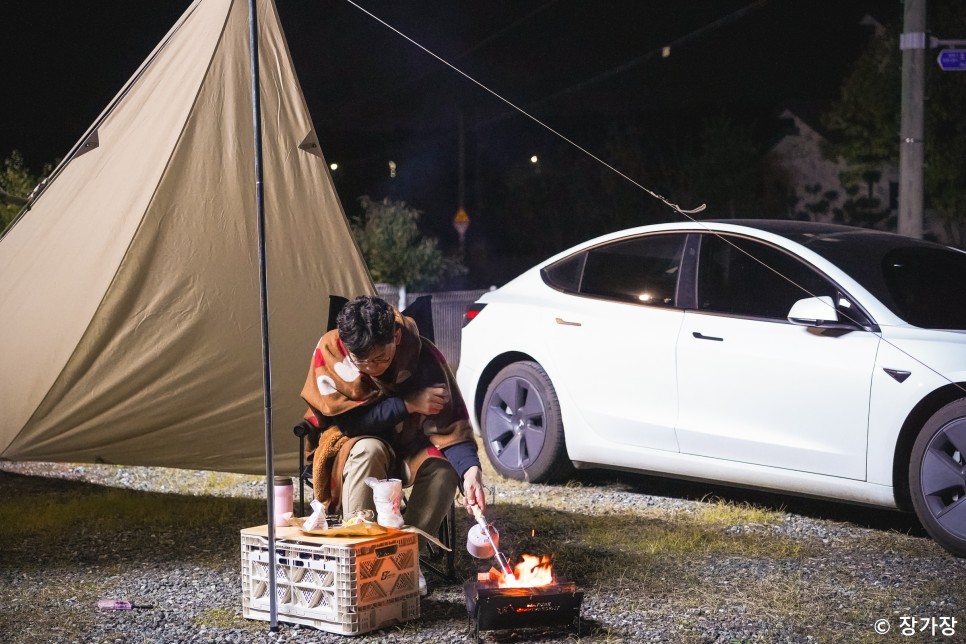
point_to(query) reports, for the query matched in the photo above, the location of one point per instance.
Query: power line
(639, 60)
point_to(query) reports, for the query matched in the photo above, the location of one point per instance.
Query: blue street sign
(952, 60)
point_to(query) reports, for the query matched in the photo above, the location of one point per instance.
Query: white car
(815, 359)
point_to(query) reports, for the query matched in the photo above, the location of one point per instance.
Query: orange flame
(531, 572)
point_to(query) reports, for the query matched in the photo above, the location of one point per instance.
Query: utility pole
(462, 162)
(461, 222)
(913, 43)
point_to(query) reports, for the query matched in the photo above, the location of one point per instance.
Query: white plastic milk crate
(341, 585)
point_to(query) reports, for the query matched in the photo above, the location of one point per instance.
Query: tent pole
(263, 300)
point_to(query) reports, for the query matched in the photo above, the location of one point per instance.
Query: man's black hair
(364, 323)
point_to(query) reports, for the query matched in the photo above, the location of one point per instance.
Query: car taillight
(471, 312)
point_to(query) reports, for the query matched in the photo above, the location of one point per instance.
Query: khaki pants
(431, 495)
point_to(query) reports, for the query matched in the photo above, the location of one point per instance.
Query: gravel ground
(866, 565)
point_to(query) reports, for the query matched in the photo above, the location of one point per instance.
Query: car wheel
(521, 426)
(937, 477)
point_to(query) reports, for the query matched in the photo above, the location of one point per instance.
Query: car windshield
(923, 283)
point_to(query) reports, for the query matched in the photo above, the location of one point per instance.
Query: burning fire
(531, 572)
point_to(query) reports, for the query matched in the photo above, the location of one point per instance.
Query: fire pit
(528, 599)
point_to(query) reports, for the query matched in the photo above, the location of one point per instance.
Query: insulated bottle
(284, 494)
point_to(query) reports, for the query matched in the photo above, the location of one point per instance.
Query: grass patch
(223, 483)
(221, 618)
(82, 523)
(592, 548)
(718, 512)
(112, 509)
(687, 538)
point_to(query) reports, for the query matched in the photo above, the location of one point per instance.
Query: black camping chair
(421, 310)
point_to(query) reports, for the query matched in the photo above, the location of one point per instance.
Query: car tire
(937, 477)
(521, 425)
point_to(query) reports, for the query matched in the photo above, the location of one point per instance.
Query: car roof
(844, 245)
(807, 232)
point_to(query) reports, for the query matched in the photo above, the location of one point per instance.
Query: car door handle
(567, 323)
(701, 336)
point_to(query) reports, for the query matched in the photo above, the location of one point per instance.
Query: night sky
(373, 96)
(62, 65)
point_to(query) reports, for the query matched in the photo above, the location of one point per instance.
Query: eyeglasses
(372, 363)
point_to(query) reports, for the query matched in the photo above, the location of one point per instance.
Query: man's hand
(429, 401)
(473, 492)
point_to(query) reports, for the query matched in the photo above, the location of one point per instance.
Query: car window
(744, 277)
(927, 286)
(565, 274)
(642, 270)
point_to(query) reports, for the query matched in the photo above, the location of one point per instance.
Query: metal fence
(448, 310)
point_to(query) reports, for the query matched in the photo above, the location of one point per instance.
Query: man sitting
(391, 408)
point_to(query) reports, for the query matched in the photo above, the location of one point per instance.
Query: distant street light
(333, 166)
(534, 159)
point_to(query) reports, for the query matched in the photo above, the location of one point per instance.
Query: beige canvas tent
(129, 300)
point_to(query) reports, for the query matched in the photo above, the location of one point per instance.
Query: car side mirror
(814, 311)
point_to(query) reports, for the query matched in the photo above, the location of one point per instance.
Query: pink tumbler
(284, 493)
